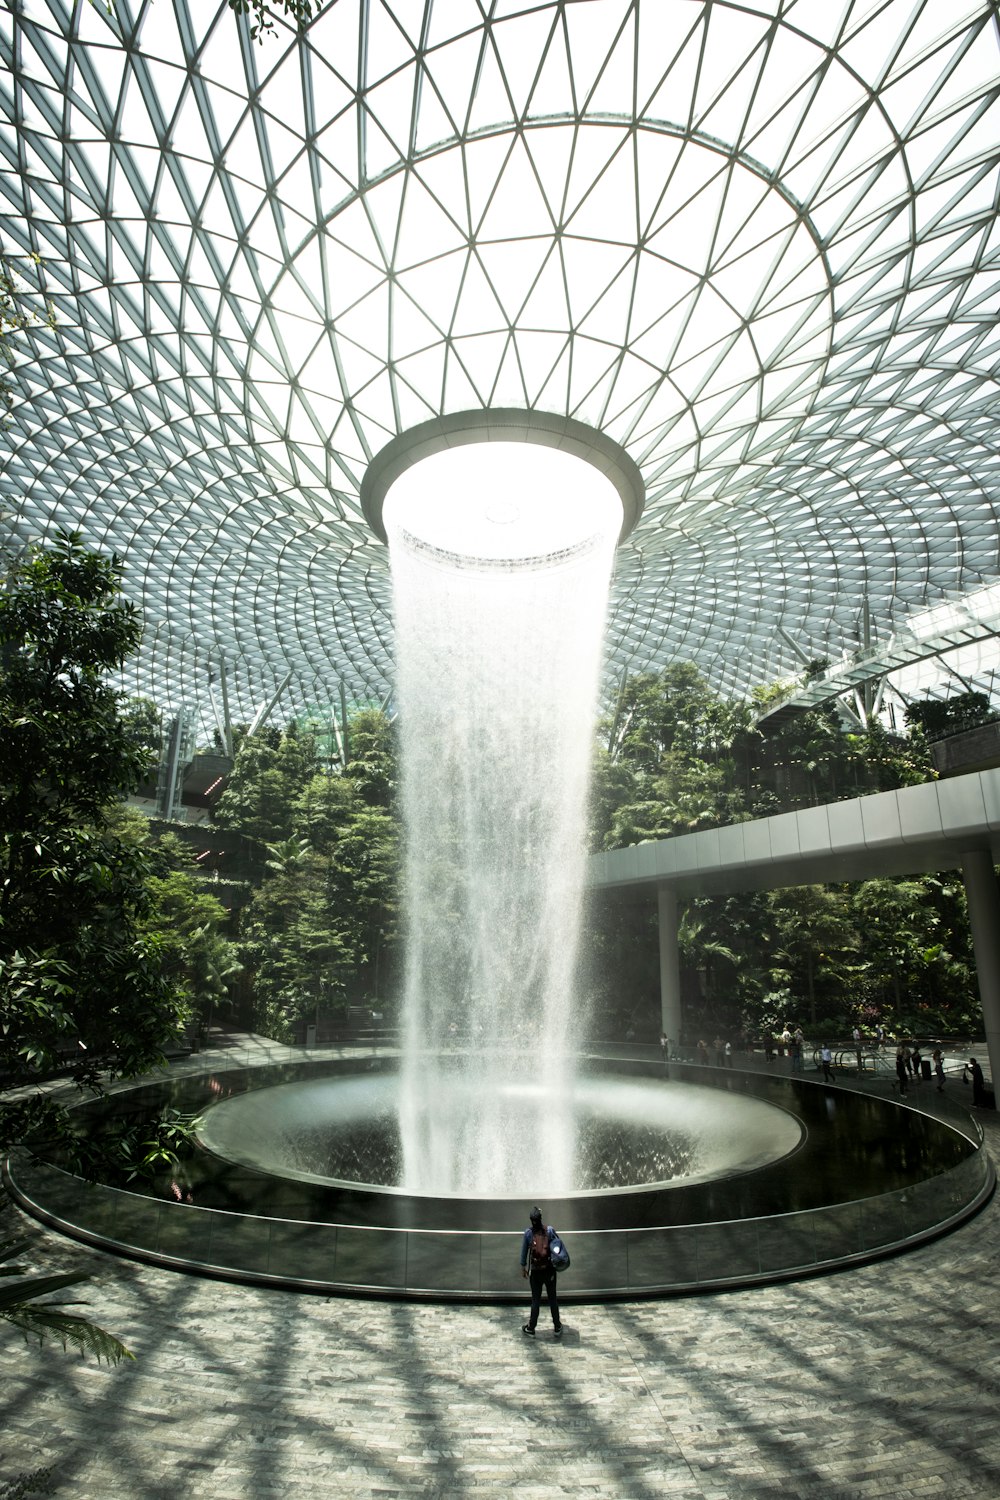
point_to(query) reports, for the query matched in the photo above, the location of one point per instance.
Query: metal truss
(754, 243)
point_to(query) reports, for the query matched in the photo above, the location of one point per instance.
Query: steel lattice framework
(755, 243)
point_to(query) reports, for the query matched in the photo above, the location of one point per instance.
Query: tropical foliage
(677, 759)
(320, 931)
(82, 976)
(22, 1307)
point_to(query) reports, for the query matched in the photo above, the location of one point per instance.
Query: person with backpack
(536, 1265)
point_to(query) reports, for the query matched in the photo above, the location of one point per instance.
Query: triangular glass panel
(554, 394)
(538, 353)
(547, 308)
(484, 160)
(513, 266)
(243, 164)
(592, 32)
(608, 319)
(135, 126)
(359, 366)
(614, 90)
(609, 209)
(552, 93)
(412, 408)
(478, 307)
(348, 277)
(520, 42)
(337, 143)
(332, 43)
(480, 355)
(684, 224)
(433, 123)
(508, 389)
(550, 148)
(453, 67)
(671, 71)
(442, 177)
(491, 104)
(459, 392)
(517, 207)
(388, 47)
(381, 153)
(424, 228)
(411, 330)
(424, 373)
(352, 227)
(367, 322)
(434, 286)
(591, 267)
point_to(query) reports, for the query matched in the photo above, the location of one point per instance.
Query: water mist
(500, 587)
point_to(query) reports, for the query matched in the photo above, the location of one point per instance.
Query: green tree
(901, 942)
(955, 715)
(77, 971)
(268, 775)
(371, 757)
(814, 943)
(298, 961)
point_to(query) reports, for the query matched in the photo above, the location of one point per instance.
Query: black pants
(537, 1280)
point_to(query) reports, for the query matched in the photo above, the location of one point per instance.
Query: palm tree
(20, 1306)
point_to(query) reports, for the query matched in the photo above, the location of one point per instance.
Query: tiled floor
(883, 1380)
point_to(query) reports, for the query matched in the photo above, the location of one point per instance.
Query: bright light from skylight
(503, 502)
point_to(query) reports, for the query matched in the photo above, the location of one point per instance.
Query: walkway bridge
(938, 825)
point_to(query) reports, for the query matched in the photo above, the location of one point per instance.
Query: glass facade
(755, 244)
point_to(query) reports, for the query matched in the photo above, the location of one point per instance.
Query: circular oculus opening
(459, 501)
(503, 486)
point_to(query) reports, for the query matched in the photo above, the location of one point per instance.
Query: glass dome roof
(755, 244)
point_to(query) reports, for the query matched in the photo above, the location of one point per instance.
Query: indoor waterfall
(498, 659)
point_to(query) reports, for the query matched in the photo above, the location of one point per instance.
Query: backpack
(558, 1254)
(540, 1250)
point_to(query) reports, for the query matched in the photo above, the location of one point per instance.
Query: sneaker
(557, 1330)
(527, 1328)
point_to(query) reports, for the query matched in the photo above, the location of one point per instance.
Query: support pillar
(670, 968)
(984, 919)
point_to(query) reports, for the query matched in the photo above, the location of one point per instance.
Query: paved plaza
(878, 1381)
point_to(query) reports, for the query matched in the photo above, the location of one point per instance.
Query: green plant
(21, 1307)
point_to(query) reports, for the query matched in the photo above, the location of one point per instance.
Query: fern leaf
(69, 1328)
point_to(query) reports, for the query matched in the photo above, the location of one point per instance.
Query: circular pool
(631, 1132)
(692, 1178)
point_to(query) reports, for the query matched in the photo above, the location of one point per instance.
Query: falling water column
(498, 658)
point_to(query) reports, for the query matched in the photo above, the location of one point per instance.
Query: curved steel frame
(753, 244)
(503, 425)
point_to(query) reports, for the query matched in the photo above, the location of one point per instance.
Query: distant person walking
(938, 1062)
(826, 1058)
(536, 1265)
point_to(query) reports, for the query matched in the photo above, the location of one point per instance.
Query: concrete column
(984, 919)
(670, 968)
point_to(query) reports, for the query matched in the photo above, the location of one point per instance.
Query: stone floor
(878, 1381)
